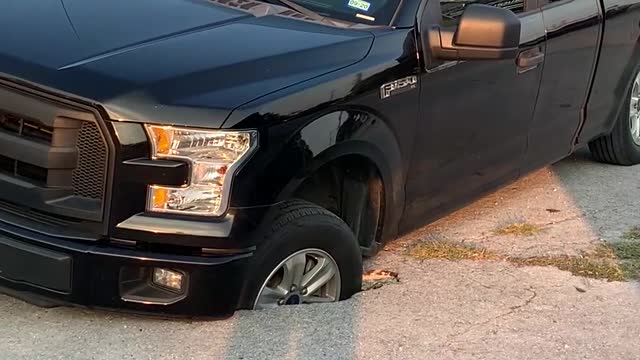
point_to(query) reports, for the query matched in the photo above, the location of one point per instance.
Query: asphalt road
(440, 309)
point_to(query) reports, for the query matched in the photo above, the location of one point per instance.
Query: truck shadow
(328, 331)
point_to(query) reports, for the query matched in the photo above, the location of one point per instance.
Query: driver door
(474, 115)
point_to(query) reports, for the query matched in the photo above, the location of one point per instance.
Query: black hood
(167, 61)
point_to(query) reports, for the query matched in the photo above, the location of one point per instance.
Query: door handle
(529, 60)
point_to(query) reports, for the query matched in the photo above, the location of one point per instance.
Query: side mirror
(484, 33)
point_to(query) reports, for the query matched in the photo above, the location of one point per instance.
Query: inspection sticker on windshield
(359, 4)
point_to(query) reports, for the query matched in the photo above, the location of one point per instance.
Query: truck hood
(186, 62)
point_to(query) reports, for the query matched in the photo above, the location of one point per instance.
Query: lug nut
(281, 302)
(293, 288)
(304, 291)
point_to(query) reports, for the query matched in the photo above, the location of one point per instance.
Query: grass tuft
(518, 229)
(631, 269)
(594, 268)
(618, 262)
(449, 251)
(628, 251)
(632, 234)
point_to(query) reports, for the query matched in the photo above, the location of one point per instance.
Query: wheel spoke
(319, 276)
(315, 272)
(270, 297)
(634, 122)
(294, 270)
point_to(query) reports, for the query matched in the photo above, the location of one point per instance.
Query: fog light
(170, 279)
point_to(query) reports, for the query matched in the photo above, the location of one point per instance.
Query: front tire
(622, 146)
(306, 255)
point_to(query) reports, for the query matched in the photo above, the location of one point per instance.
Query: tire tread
(293, 210)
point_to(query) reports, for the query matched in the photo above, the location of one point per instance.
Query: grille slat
(27, 128)
(17, 168)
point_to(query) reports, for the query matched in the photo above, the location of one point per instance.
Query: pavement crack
(534, 294)
(571, 218)
(511, 311)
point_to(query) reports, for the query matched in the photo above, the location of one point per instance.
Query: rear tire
(622, 146)
(298, 228)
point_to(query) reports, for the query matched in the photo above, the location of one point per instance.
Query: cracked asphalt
(439, 310)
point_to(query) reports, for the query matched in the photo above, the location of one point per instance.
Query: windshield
(370, 12)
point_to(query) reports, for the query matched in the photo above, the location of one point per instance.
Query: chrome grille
(88, 177)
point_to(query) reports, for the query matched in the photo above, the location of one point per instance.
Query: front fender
(276, 173)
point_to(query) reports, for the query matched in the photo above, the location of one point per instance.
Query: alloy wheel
(307, 276)
(634, 111)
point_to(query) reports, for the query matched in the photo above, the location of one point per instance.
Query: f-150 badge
(398, 86)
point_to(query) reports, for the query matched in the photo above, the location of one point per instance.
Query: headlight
(213, 157)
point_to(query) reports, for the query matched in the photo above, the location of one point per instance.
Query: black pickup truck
(195, 157)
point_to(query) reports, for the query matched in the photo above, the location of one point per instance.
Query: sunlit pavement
(440, 309)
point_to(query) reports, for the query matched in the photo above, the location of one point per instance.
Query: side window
(452, 9)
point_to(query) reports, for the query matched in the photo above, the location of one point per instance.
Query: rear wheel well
(350, 187)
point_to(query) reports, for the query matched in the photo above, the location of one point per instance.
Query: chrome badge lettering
(398, 86)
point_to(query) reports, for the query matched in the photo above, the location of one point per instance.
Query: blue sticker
(359, 4)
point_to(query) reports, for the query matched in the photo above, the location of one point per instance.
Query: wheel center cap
(293, 300)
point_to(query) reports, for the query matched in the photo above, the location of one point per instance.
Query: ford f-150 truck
(195, 157)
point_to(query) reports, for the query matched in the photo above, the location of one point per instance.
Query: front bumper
(50, 271)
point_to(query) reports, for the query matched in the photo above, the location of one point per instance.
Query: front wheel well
(351, 187)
